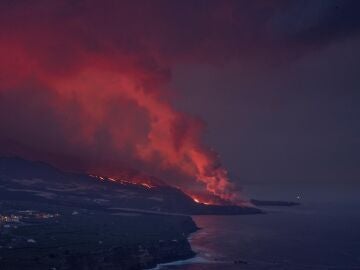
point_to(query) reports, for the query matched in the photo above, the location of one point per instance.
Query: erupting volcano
(89, 102)
(127, 125)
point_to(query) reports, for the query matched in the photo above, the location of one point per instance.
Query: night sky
(251, 91)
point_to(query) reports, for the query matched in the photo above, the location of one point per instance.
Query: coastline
(197, 258)
(193, 260)
(189, 257)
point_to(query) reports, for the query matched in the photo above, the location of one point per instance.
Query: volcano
(36, 181)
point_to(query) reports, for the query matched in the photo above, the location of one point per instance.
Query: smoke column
(84, 86)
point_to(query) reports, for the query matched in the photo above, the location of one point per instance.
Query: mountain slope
(39, 182)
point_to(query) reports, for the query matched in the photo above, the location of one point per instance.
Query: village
(9, 222)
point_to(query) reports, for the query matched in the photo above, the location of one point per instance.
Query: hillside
(26, 180)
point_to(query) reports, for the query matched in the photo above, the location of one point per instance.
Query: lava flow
(198, 200)
(148, 183)
(137, 181)
(208, 199)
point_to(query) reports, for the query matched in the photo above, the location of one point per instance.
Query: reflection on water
(311, 236)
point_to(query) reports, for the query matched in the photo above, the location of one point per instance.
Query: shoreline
(194, 260)
(158, 264)
(182, 261)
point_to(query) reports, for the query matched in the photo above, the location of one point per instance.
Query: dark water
(316, 235)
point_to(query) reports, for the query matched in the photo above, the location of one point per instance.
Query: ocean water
(319, 234)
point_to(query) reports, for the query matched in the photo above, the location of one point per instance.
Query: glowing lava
(136, 181)
(201, 202)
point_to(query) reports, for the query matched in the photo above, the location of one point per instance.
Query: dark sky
(288, 109)
(296, 121)
(265, 91)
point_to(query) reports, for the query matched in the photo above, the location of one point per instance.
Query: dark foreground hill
(50, 219)
(41, 236)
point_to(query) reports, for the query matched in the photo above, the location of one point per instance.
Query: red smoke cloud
(84, 84)
(111, 95)
(85, 87)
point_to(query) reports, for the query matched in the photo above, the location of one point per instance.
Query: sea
(321, 233)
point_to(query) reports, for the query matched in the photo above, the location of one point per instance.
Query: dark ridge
(25, 180)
